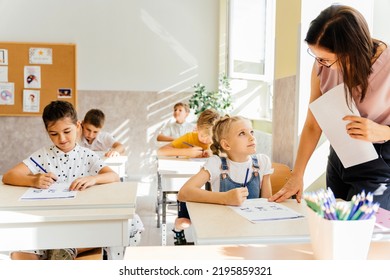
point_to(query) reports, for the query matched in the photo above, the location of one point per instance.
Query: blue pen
(246, 177)
(40, 167)
(37, 164)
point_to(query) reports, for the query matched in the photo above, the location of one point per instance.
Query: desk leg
(158, 203)
(164, 234)
(164, 219)
(164, 207)
(115, 253)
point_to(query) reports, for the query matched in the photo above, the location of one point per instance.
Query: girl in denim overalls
(234, 149)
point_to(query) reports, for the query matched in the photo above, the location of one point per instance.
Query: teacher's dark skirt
(372, 176)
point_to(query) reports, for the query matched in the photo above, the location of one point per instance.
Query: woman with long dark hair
(339, 39)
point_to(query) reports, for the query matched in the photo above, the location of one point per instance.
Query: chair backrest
(280, 176)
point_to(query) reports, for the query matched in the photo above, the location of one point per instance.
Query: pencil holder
(339, 240)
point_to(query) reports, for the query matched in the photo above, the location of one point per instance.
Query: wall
(287, 22)
(125, 44)
(137, 56)
(288, 16)
(380, 22)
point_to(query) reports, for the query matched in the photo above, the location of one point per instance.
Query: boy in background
(193, 144)
(174, 130)
(93, 138)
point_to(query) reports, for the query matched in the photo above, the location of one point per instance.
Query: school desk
(265, 251)
(218, 224)
(96, 217)
(117, 164)
(172, 173)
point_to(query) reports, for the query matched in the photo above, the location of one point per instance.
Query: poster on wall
(64, 93)
(32, 76)
(40, 56)
(3, 73)
(7, 94)
(31, 100)
(3, 57)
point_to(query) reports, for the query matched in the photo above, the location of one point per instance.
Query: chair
(280, 176)
(93, 254)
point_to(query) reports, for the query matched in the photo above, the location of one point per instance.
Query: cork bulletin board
(34, 74)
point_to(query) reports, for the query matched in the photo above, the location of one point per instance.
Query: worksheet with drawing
(260, 209)
(56, 191)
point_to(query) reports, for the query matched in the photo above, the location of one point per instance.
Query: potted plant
(220, 100)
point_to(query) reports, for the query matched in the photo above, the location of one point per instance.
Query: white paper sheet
(4, 74)
(260, 209)
(56, 191)
(41, 56)
(329, 111)
(31, 100)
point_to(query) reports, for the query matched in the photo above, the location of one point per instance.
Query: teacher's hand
(365, 129)
(294, 186)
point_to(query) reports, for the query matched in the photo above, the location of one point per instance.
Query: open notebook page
(56, 191)
(260, 209)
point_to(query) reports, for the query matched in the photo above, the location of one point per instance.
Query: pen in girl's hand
(246, 177)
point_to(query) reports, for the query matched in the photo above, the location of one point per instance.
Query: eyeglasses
(323, 62)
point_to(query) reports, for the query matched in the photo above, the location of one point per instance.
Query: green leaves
(220, 100)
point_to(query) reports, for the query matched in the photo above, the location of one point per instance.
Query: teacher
(344, 51)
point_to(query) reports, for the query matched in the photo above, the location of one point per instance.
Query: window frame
(268, 47)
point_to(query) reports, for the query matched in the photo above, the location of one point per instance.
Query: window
(250, 48)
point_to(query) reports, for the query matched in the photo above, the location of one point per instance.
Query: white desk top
(113, 195)
(177, 167)
(299, 251)
(218, 224)
(115, 160)
(101, 201)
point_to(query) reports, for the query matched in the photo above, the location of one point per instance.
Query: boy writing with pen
(94, 138)
(193, 144)
(64, 161)
(235, 171)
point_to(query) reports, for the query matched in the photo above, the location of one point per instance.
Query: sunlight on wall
(316, 165)
(251, 99)
(164, 34)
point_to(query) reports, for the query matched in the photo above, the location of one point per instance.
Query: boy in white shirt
(174, 130)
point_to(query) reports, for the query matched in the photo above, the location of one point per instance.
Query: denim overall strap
(255, 165)
(253, 185)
